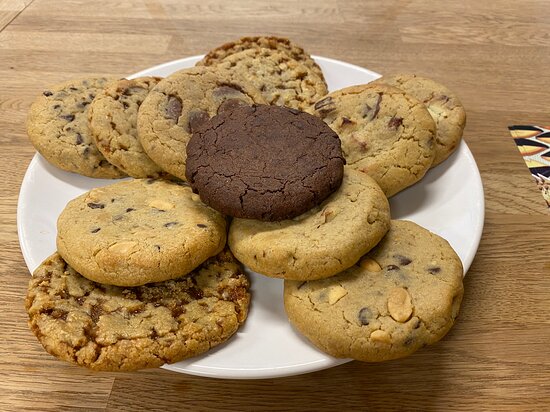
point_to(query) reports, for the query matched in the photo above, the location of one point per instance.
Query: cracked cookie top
(323, 241)
(57, 126)
(401, 296)
(138, 231)
(113, 118)
(282, 80)
(385, 133)
(264, 162)
(444, 106)
(114, 328)
(180, 103)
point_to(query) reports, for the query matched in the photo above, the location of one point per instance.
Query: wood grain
(495, 55)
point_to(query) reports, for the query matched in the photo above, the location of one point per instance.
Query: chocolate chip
(434, 270)
(86, 151)
(79, 139)
(369, 112)
(195, 293)
(345, 120)
(83, 104)
(201, 225)
(47, 93)
(227, 90)
(157, 247)
(408, 341)
(96, 311)
(364, 315)
(96, 205)
(403, 260)
(392, 267)
(95, 230)
(80, 300)
(170, 224)
(74, 89)
(130, 209)
(395, 122)
(125, 105)
(173, 108)
(178, 311)
(325, 105)
(196, 118)
(56, 106)
(67, 117)
(230, 104)
(417, 325)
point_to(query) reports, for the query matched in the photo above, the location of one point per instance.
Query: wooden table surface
(495, 55)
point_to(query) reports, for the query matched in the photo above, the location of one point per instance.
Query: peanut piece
(162, 204)
(370, 264)
(380, 336)
(400, 304)
(122, 247)
(336, 293)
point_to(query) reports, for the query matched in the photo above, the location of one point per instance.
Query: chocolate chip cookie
(113, 123)
(282, 80)
(112, 328)
(279, 44)
(401, 296)
(138, 231)
(385, 133)
(57, 126)
(444, 106)
(321, 242)
(173, 110)
(264, 162)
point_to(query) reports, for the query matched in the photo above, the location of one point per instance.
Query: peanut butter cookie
(444, 106)
(401, 296)
(321, 242)
(385, 133)
(138, 231)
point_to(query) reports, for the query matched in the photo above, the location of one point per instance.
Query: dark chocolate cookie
(264, 162)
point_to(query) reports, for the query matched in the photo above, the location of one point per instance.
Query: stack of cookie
(143, 276)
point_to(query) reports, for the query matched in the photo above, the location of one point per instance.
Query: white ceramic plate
(448, 201)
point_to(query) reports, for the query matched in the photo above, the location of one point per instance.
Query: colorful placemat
(533, 143)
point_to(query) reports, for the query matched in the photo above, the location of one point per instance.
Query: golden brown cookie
(321, 242)
(138, 231)
(401, 296)
(57, 126)
(444, 106)
(113, 328)
(385, 133)
(113, 123)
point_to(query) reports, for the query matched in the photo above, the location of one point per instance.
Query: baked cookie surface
(403, 295)
(444, 106)
(264, 162)
(113, 328)
(57, 126)
(385, 133)
(138, 231)
(279, 44)
(321, 242)
(282, 80)
(113, 123)
(179, 104)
